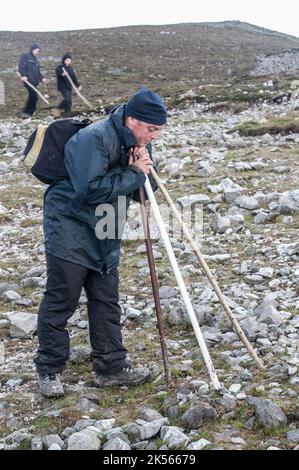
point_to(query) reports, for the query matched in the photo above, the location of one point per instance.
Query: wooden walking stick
(207, 271)
(76, 89)
(151, 263)
(35, 89)
(182, 286)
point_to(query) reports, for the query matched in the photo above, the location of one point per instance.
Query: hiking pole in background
(182, 286)
(207, 271)
(35, 89)
(76, 89)
(151, 263)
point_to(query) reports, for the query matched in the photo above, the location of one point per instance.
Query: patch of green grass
(26, 444)
(275, 125)
(65, 402)
(41, 424)
(272, 432)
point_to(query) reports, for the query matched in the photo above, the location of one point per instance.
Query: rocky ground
(249, 190)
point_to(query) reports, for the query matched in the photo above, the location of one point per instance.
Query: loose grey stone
(211, 335)
(117, 432)
(253, 279)
(36, 443)
(11, 295)
(286, 205)
(105, 425)
(22, 324)
(13, 424)
(247, 202)
(149, 414)
(116, 444)
(12, 383)
(205, 169)
(141, 445)
(83, 424)
(288, 249)
(267, 413)
(226, 185)
(220, 224)
(199, 445)
(293, 436)
(54, 446)
(228, 402)
(79, 354)
(197, 416)
(133, 431)
(186, 201)
(166, 292)
(86, 405)
(231, 196)
(52, 439)
(238, 441)
(83, 440)
(270, 316)
(234, 388)
(152, 428)
(174, 437)
(68, 431)
(4, 168)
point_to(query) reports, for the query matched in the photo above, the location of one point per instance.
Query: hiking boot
(50, 385)
(127, 376)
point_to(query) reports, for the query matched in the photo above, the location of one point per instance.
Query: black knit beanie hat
(147, 106)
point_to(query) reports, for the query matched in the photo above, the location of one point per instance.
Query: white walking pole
(207, 271)
(182, 286)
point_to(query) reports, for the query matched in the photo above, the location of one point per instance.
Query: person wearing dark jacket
(107, 163)
(29, 70)
(63, 83)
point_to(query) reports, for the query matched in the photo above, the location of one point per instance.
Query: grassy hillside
(112, 63)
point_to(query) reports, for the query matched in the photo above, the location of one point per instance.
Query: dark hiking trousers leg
(30, 105)
(108, 353)
(63, 289)
(66, 103)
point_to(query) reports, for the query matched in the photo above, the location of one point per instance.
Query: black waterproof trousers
(31, 102)
(64, 284)
(66, 103)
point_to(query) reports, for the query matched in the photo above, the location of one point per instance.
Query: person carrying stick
(63, 71)
(29, 72)
(102, 169)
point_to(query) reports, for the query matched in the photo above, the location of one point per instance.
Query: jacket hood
(117, 116)
(66, 56)
(34, 46)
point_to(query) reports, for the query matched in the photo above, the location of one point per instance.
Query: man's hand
(45, 81)
(79, 87)
(24, 78)
(141, 159)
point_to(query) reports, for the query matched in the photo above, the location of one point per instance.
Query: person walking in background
(29, 70)
(64, 85)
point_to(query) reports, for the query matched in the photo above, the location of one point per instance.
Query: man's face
(35, 51)
(68, 62)
(143, 132)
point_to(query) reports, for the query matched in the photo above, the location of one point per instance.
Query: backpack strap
(33, 153)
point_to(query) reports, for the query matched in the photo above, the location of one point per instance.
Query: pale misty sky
(58, 15)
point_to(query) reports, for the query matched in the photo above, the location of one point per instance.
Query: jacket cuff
(136, 170)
